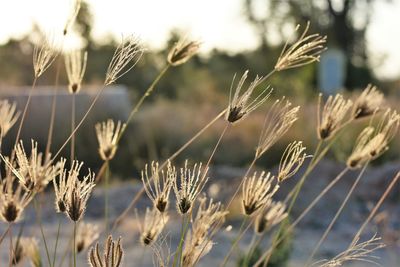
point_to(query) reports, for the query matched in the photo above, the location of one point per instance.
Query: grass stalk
(339, 211)
(39, 222)
(106, 197)
(72, 127)
(74, 245)
(56, 243)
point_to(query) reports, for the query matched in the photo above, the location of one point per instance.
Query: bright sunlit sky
(218, 23)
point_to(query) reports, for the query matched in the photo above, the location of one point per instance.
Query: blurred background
(236, 35)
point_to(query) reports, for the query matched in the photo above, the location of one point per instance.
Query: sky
(217, 23)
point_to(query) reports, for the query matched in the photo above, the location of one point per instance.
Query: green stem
(74, 246)
(184, 224)
(56, 244)
(141, 100)
(106, 182)
(39, 221)
(253, 244)
(235, 242)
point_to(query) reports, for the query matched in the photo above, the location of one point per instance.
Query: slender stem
(106, 189)
(173, 156)
(74, 246)
(339, 211)
(141, 100)
(235, 241)
(53, 110)
(80, 122)
(184, 224)
(72, 127)
(12, 254)
(4, 234)
(247, 256)
(56, 244)
(39, 221)
(375, 209)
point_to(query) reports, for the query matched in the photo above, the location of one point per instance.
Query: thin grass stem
(56, 243)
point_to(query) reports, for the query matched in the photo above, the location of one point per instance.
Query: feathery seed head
(192, 182)
(278, 121)
(73, 14)
(75, 65)
(34, 172)
(154, 222)
(107, 136)
(239, 106)
(257, 191)
(8, 116)
(305, 50)
(43, 56)
(76, 192)
(124, 59)
(182, 51)
(333, 113)
(361, 252)
(13, 199)
(162, 184)
(291, 161)
(193, 251)
(368, 103)
(111, 257)
(27, 248)
(86, 234)
(273, 213)
(371, 143)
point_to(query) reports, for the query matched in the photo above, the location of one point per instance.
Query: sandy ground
(221, 187)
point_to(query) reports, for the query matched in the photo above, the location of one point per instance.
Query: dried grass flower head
(240, 105)
(75, 65)
(273, 213)
(158, 184)
(333, 113)
(278, 121)
(182, 51)
(111, 256)
(291, 161)
(373, 142)
(357, 252)
(13, 198)
(44, 55)
(257, 191)
(369, 102)
(154, 222)
(77, 191)
(60, 188)
(193, 251)
(107, 135)
(27, 248)
(124, 59)
(305, 50)
(72, 16)
(8, 116)
(191, 183)
(86, 234)
(36, 170)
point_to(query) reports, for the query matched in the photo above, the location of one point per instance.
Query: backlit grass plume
(332, 115)
(154, 222)
(107, 135)
(278, 121)
(368, 103)
(358, 252)
(182, 51)
(158, 184)
(191, 182)
(86, 234)
(257, 191)
(8, 116)
(272, 214)
(291, 160)
(242, 105)
(111, 256)
(44, 55)
(75, 65)
(373, 142)
(124, 59)
(13, 199)
(305, 50)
